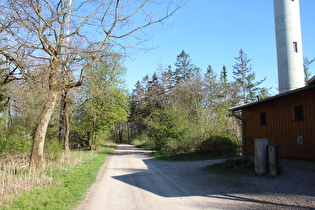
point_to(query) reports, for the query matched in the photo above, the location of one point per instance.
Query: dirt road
(130, 179)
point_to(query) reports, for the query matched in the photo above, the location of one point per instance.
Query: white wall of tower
(289, 44)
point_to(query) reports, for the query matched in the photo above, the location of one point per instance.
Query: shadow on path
(186, 179)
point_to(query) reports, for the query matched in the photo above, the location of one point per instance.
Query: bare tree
(38, 37)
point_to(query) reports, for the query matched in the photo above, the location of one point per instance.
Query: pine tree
(224, 84)
(135, 116)
(185, 70)
(211, 90)
(168, 82)
(307, 74)
(155, 94)
(245, 78)
(223, 77)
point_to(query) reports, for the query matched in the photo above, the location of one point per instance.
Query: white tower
(289, 44)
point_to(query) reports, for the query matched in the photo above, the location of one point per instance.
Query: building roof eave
(311, 81)
(310, 86)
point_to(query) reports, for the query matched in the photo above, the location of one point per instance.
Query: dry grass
(15, 178)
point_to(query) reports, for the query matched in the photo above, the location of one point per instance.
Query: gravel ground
(132, 180)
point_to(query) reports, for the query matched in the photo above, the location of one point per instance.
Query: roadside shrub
(78, 140)
(15, 143)
(99, 139)
(53, 150)
(219, 146)
(167, 128)
(143, 140)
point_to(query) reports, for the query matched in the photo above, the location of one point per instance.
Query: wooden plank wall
(281, 125)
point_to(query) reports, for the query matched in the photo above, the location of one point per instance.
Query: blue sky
(212, 33)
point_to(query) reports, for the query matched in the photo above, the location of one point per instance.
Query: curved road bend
(130, 179)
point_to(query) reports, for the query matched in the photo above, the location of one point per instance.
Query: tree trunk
(67, 129)
(37, 158)
(120, 132)
(62, 116)
(9, 121)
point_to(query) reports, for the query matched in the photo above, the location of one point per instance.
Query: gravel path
(130, 179)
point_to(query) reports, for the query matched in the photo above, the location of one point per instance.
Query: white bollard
(261, 159)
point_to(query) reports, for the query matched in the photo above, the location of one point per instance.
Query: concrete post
(273, 153)
(261, 160)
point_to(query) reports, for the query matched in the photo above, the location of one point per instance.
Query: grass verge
(69, 182)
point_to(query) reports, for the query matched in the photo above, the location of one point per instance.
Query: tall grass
(15, 179)
(62, 184)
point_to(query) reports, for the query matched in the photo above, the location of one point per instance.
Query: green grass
(69, 183)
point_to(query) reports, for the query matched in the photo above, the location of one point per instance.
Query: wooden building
(287, 119)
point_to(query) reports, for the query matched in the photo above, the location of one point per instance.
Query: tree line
(61, 81)
(50, 52)
(181, 109)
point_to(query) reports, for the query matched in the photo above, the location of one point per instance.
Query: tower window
(299, 112)
(295, 47)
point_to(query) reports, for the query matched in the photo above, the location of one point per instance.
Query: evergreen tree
(307, 74)
(185, 70)
(223, 77)
(224, 88)
(147, 97)
(136, 109)
(168, 83)
(156, 93)
(211, 89)
(245, 78)
(210, 74)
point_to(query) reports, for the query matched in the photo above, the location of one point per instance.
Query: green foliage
(222, 122)
(168, 129)
(144, 142)
(185, 70)
(52, 150)
(78, 139)
(15, 142)
(179, 111)
(219, 146)
(245, 79)
(98, 139)
(104, 101)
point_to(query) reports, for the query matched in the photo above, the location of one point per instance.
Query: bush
(143, 140)
(168, 129)
(53, 150)
(219, 146)
(15, 143)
